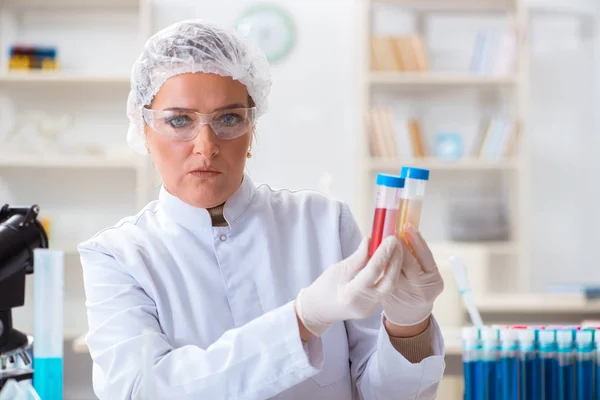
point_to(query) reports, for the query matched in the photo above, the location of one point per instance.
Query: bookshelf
(391, 73)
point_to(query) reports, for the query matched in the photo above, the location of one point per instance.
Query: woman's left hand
(419, 284)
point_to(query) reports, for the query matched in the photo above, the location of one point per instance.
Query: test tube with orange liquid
(411, 198)
(387, 198)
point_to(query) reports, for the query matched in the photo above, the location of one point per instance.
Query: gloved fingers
(392, 272)
(421, 251)
(357, 260)
(369, 275)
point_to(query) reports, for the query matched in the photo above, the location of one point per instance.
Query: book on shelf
(496, 139)
(494, 53)
(394, 138)
(398, 53)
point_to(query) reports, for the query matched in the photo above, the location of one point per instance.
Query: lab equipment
(530, 379)
(547, 347)
(565, 364)
(508, 373)
(584, 346)
(22, 390)
(387, 198)
(32, 57)
(412, 198)
(48, 285)
(20, 234)
(471, 361)
(489, 357)
(462, 281)
(189, 47)
(357, 296)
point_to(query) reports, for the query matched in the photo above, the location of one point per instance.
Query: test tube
(471, 361)
(411, 198)
(530, 380)
(387, 198)
(547, 347)
(566, 364)
(597, 373)
(584, 346)
(48, 286)
(489, 358)
(509, 367)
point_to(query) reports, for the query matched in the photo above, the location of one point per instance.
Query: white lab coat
(218, 302)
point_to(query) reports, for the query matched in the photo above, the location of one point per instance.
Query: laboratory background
(496, 98)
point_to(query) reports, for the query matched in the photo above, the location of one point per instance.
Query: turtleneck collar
(195, 218)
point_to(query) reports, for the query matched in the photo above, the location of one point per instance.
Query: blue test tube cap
(390, 181)
(414, 173)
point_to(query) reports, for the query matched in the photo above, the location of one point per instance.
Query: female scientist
(224, 290)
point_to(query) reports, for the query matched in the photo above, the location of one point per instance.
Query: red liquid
(378, 229)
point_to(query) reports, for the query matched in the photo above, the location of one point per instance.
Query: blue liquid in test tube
(508, 367)
(48, 286)
(530, 369)
(489, 357)
(566, 364)
(584, 346)
(597, 372)
(471, 362)
(549, 369)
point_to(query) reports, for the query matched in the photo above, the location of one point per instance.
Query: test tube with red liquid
(409, 209)
(388, 194)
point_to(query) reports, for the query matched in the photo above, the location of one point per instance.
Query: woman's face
(183, 164)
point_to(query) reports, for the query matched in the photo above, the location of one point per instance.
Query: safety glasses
(185, 125)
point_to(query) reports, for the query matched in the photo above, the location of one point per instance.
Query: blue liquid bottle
(566, 364)
(597, 367)
(508, 366)
(489, 358)
(584, 347)
(548, 364)
(530, 369)
(472, 367)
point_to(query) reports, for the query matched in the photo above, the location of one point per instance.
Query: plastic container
(508, 365)
(489, 357)
(549, 364)
(584, 346)
(387, 198)
(566, 364)
(48, 284)
(411, 201)
(471, 356)
(530, 378)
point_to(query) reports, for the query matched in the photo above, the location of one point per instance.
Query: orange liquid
(409, 212)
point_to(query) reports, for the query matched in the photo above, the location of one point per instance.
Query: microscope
(20, 234)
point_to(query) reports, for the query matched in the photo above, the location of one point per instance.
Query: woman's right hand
(350, 289)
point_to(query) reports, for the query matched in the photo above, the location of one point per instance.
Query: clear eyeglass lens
(185, 125)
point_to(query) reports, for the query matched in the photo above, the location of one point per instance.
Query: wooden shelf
(66, 161)
(452, 5)
(537, 304)
(437, 164)
(494, 248)
(63, 77)
(395, 79)
(75, 4)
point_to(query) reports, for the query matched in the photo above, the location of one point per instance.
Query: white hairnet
(189, 47)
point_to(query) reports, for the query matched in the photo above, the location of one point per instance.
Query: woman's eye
(179, 121)
(230, 119)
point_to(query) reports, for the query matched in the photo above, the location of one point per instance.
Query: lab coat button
(223, 238)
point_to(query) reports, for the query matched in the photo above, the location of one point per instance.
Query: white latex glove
(411, 300)
(349, 289)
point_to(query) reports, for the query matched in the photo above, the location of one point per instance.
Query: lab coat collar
(195, 218)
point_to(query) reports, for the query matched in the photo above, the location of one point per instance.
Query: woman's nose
(206, 142)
